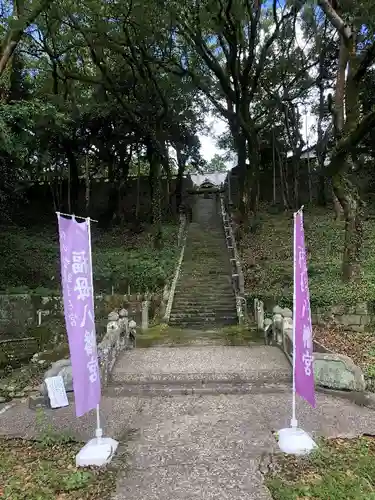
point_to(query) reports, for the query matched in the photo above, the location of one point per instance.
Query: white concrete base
(97, 452)
(295, 441)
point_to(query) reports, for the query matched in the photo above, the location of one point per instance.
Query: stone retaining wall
(17, 312)
(357, 318)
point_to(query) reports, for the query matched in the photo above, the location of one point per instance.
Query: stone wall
(357, 318)
(37, 207)
(18, 312)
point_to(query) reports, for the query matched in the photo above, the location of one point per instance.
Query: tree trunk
(321, 150)
(346, 193)
(73, 178)
(337, 207)
(348, 197)
(138, 187)
(14, 34)
(322, 198)
(109, 214)
(252, 180)
(179, 180)
(121, 192)
(296, 183)
(273, 169)
(87, 193)
(156, 194)
(240, 143)
(283, 184)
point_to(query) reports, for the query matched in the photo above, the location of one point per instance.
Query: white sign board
(56, 392)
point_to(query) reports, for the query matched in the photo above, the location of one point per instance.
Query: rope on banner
(76, 216)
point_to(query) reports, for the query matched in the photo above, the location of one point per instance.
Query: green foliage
(268, 260)
(120, 259)
(338, 470)
(216, 164)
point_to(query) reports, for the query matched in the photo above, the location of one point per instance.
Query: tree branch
(350, 141)
(14, 36)
(365, 63)
(335, 19)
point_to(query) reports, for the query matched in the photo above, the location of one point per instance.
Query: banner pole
(293, 440)
(294, 422)
(98, 430)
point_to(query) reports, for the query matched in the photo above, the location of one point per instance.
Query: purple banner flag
(303, 340)
(77, 287)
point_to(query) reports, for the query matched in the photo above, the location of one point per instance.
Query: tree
(349, 127)
(223, 46)
(216, 164)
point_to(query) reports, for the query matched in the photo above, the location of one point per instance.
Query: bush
(30, 260)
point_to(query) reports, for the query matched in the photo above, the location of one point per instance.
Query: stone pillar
(164, 301)
(287, 335)
(260, 315)
(145, 305)
(124, 325)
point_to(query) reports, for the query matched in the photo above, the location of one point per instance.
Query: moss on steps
(163, 334)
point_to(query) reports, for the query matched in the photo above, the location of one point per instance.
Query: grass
(30, 260)
(46, 470)
(341, 469)
(267, 256)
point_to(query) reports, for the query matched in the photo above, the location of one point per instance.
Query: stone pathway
(210, 444)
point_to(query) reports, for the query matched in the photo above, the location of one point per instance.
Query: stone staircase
(204, 296)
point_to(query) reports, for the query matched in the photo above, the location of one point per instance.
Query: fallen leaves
(360, 347)
(36, 471)
(340, 469)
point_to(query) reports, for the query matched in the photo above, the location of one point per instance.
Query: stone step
(205, 280)
(210, 259)
(223, 291)
(222, 287)
(201, 279)
(203, 246)
(203, 316)
(194, 364)
(201, 274)
(202, 325)
(208, 252)
(197, 302)
(203, 307)
(201, 387)
(201, 270)
(208, 298)
(204, 291)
